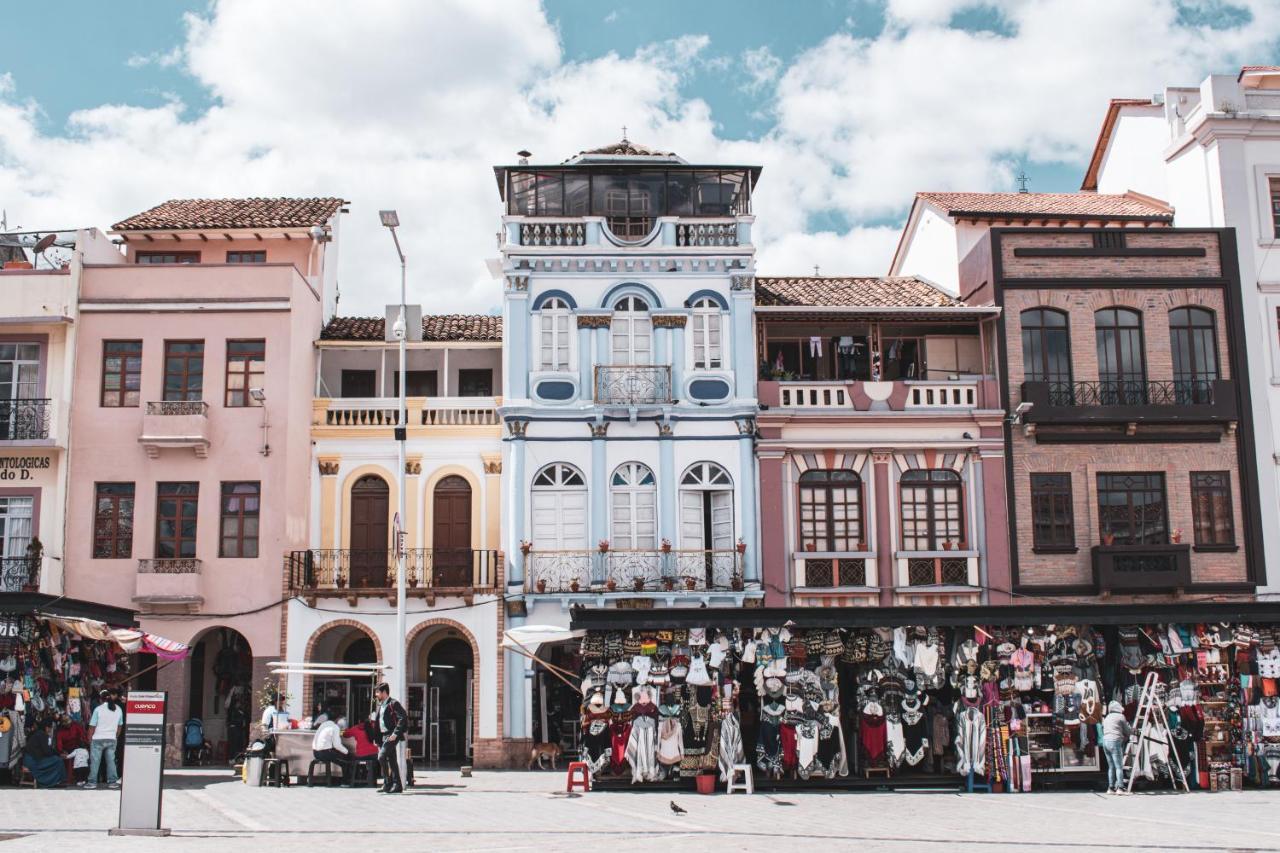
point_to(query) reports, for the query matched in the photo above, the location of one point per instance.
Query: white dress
(642, 750)
(730, 745)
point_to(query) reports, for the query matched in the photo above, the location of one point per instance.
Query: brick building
(1122, 364)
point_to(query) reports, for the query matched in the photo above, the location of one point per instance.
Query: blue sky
(851, 106)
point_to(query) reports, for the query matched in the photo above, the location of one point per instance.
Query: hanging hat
(773, 686)
(596, 702)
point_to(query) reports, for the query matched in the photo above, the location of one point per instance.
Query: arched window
(451, 532)
(706, 507)
(932, 509)
(553, 346)
(1046, 347)
(831, 511)
(706, 335)
(1122, 366)
(632, 331)
(370, 535)
(634, 513)
(1193, 340)
(559, 508)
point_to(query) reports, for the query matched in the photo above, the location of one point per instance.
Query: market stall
(1006, 697)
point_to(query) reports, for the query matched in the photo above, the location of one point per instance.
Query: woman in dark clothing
(42, 759)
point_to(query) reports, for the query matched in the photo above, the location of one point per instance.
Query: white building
(1213, 153)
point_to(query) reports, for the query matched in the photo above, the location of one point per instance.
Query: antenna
(1022, 177)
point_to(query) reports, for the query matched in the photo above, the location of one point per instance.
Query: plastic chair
(579, 776)
(368, 768)
(747, 775)
(275, 771)
(328, 772)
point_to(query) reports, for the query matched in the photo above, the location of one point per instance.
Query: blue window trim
(633, 287)
(554, 294)
(707, 294)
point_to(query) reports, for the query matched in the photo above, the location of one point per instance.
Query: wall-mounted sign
(20, 467)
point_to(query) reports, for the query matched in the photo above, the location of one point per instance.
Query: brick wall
(1209, 265)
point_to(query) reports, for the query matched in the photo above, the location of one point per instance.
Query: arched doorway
(341, 696)
(370, 535)
(219, 689)
(451, 532)
(441, 695)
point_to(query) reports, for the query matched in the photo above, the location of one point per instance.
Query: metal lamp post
(391, 220)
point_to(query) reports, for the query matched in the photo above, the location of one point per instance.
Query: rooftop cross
(1022, 177)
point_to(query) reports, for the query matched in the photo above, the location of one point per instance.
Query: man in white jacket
(327, 745)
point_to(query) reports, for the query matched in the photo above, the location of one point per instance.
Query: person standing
(327, 745)
(269, 714)
(1115, 739)
(104, 728)
(393, 722)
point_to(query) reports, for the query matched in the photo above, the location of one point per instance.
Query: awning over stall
(33, 603)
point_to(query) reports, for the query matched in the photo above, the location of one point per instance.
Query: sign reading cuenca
(20, 467)
(144, 757)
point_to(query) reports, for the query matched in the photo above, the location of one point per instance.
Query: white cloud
(410, 104)
(165, 59)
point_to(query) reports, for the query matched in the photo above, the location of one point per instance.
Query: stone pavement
(512, 811)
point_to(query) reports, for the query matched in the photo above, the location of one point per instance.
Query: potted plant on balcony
(669, 584)
(541, 585)
(736, 583)
(742, 545)
(339, 580)
(603, 545)
(862, 545)
(666, 546)
(811, 546)
(1108, 538)
(573, 585)
(947, 544)
(1176, 535)
(525, 547)
(690, 583)
(637, 584)
(611, 585)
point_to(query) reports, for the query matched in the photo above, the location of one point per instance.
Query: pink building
(191, 433)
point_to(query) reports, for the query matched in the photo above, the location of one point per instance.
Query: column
(741, 320)
(491, 539)
(328, 500)
(884, 545)
(995, 516)
(516, 330)
(516, 521)
(666, 484)
(602, 343)
(662, 347)
(586, 387)
(775, 566)
(751, 561)
(599, 492)
(415, 535)
(677, 361)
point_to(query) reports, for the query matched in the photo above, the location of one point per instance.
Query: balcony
(638, 571)
(20, 574)
(170, 585)
(25, 420)
(1141, 568)
(919, 397)
(428, 571)
(633, 385)
(817, 570)
(383, 413)
(1130, 402)
(671, 232)
(175, 424)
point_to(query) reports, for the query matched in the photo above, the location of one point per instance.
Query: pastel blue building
(629, 395)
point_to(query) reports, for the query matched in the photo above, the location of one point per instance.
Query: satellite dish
(44, 242)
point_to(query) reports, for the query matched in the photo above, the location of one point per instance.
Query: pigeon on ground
(676, 808)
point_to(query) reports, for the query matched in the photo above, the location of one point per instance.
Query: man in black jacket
(393, 722)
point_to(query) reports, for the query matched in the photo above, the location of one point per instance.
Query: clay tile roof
(627, 148)
(1257, 69)
(868, 292)
(435, 327)
(1074, 205)
(232, 213)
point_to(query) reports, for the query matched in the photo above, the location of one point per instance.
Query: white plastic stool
(748, 782)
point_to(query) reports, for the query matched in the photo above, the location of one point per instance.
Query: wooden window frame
(241, 364)
(808, 496)
(186, 372)
(1202, 499)
(1273, 186)
(238, 516)
(1053, 492)
(1041, 372)
(124, 372)
(172, 491)
(178, 257)
(237, 256)
(1134, 517)
(118, 546)
(934, 537)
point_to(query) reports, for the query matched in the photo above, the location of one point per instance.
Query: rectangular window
(240, 507)
(177, 506)
(121, 373)
(166, 258)
(706, 336)
(1211, 508)
(113, 521)
(247, 257)
(1275, 206)
(554, 343)
(183, 370)
(421, 383)
(359, 383)
(246, 364)
(1133, 509)
(477, 382)
(1052, 522)
(17, 520)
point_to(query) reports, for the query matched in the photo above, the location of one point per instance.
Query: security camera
(1023, 408)
(398, 328)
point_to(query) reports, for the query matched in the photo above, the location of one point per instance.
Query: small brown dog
(541, 752)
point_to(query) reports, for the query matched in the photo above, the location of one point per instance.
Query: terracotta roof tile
(435, 327)
(231, 213)
(857, 292)
(1076, 205)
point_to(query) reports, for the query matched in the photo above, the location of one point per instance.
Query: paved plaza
(512, 811)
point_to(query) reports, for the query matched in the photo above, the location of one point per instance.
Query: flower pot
(1176, 537)
(611, 584)
(1108, 539)
(737, 584)
(810, 546)
(706, 783)
(542, 585)
(668, 584)
(573, 586)
(742, 547)
(638, 584)
(690, 583)
(947, 545)
(340, 581)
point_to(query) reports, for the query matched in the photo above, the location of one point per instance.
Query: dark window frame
(145, 258)
(186, 373)
(1274, 187)
(817, 490)
(121, 500)
(1052, 513)
(1135, 517)
(124, 373)
(1216, 527)
(475, 373)
(936, 529)
(1043, 371)
(251, 256)
(1193, 385)
(180, 495)
(241, 364)
(1126, 385)
(239, 514)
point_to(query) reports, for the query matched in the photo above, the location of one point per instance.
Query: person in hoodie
(1115, 738)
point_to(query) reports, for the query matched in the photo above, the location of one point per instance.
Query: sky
(851, 106)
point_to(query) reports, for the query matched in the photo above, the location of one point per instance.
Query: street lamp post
(391, 220)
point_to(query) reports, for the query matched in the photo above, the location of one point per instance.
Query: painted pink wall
(214, 250)
(105, 440)
(996, 518)
(775, 562)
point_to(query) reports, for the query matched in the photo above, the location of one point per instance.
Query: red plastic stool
(579, 776)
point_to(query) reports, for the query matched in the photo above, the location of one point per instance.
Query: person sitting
(319, 716)
(366, 750)
(72, 742)
(39, 756)
(327, 745)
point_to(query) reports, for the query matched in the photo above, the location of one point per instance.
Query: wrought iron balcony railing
(1142, 568)
(375, 569)
(20, 574)
(633, 384)
(178, 408)
(169, 566)
(656, 570)
(1132, 392)
(25, 419)
(1104, 402)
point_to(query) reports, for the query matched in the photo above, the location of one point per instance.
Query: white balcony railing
(815, 395)
(942, 395)
(460, 411)
(384, 412)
